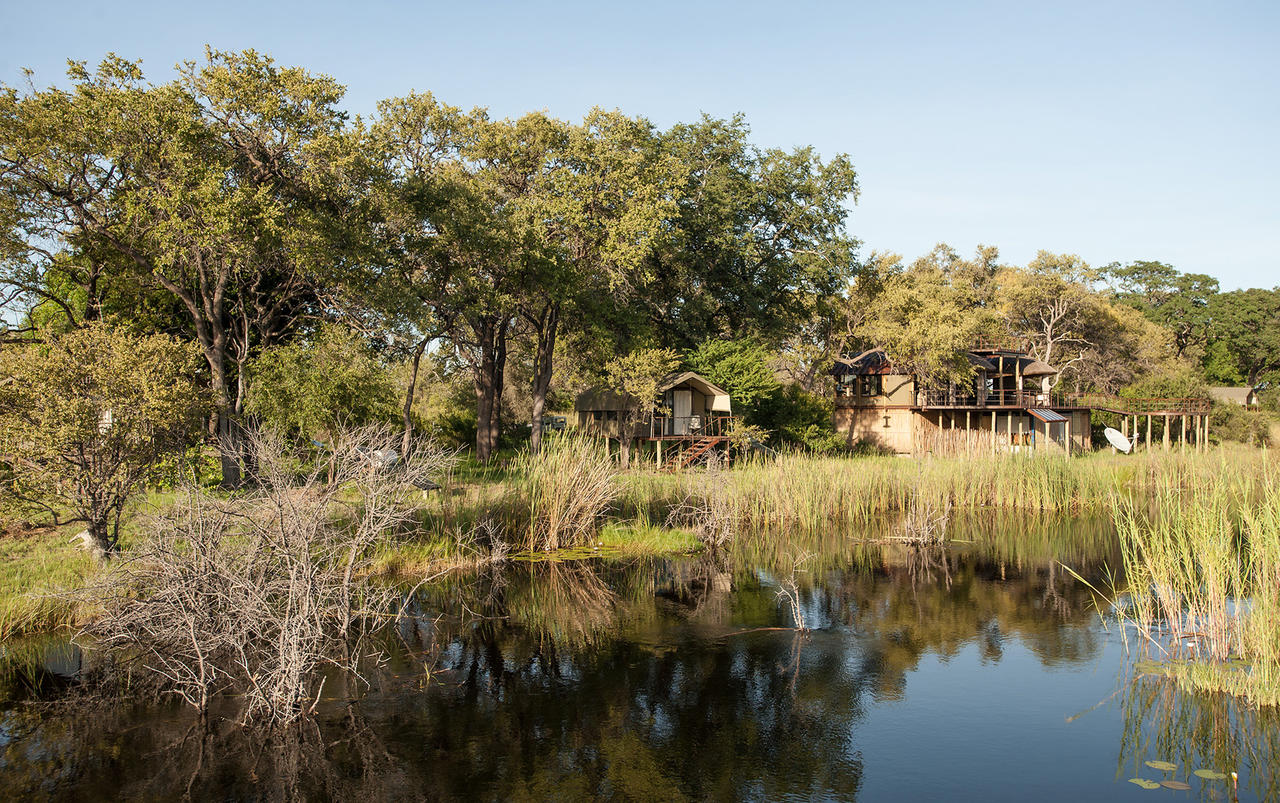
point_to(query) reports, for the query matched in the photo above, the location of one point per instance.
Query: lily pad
(1144, 783)
(1179, 785)
(1211, 775)
(1163, 766)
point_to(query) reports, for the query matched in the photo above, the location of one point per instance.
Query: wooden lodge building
(1008, 406)
(693, 417)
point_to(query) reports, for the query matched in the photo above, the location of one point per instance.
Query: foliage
(638, 377)
(804, 419)
(1245, 322)
(1232, 422)
(1052, 308)
(1176, 380)
(742, 367)
(1178, 302)
(926, 317)
(87, 418)
(316, 387)
(758, 238)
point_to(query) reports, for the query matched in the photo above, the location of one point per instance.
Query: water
(982, 673)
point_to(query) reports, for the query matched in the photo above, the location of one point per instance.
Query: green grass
(647, 539)
(35, 566)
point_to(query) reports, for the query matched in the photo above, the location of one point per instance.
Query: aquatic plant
(1203, 571)
(560, 492)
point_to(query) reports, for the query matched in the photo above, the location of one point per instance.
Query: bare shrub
(925, 522)
(257, 593)
(564, 489)
(708, 506)
(789, 590)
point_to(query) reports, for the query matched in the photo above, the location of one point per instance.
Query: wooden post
(1165, 438)
(1206, 430)
(1149, 417)
(1068, 428)
(994, 415)
(968, 433)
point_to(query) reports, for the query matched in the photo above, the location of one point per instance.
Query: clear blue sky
(1113, 130)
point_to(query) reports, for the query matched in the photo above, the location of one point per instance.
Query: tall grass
(561, 492)
(1261, 634)
(801, 491)
(1203, 570)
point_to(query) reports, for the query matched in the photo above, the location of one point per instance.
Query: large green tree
(758, 239)
(927, 316)
(226, 189)
(1052, 308)
(1175, 300)
(1247, 324)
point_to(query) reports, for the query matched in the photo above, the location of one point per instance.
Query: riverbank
(482, 514)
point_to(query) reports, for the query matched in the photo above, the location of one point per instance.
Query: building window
(845, 385)
(870, 385)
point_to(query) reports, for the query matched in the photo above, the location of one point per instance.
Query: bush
(259, 596)
(1231, 422)
(88, 418)
(314, 388)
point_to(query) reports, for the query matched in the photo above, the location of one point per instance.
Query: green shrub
(315, 387)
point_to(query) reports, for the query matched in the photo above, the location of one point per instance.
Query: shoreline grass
(1203, 571)
(480, 511)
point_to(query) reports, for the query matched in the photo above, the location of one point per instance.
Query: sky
(1117, 131)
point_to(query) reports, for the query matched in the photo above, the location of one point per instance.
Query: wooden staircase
(694, 451)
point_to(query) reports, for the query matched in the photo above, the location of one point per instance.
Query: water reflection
(649, 679)
(1198, 730)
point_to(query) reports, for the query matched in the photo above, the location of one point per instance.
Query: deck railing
(992, 398)
(1169, 405)
(691, 426)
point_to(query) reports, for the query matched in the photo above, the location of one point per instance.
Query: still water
(978, 672)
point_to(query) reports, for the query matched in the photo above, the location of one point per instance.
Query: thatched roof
(1032, 367)
(1241, 396)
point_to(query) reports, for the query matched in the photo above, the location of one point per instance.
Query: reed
(1203, 570)
(803, 491)
(563, 490)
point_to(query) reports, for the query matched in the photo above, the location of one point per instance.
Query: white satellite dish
(1118, 440)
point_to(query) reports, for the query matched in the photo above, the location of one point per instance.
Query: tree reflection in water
(649, 679)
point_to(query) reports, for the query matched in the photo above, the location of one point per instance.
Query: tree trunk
(547, 324)
(487, 375)
(408, 398)
(228, 428)
(98, 541)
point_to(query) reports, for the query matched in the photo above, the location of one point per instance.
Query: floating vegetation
(1144, 783)
(1163, 766)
